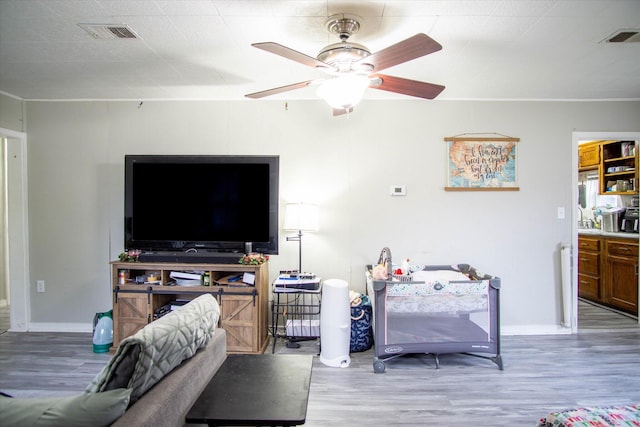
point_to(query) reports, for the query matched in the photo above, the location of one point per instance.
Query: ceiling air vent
(110, 31)
(624, 36)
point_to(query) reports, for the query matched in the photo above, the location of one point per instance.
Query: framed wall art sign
(482, 164)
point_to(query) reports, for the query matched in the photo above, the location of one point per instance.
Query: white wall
(11, 113)
(344, 164)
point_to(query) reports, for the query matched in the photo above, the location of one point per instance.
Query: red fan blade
(406, 86)
(280, 89)
(411, 48)
(294, 55)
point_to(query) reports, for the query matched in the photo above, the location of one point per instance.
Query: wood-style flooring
(541, 374)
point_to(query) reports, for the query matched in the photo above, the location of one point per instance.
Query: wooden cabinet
(589, 268)
(589, 155)
(243, 309)
(619, 167)
(608, 271)
(621, 283)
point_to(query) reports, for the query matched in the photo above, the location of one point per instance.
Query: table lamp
(300, 217)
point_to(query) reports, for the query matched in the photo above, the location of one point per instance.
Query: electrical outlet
(40, 285)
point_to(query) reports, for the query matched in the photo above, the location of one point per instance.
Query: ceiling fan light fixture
(343, 25)
(343, 92)
(343, 55)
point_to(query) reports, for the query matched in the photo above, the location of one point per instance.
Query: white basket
(303, 328)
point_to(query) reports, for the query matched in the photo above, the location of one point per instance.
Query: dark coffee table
(256, 389)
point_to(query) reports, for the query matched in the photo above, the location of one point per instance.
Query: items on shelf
(168, 308)
(618, 167)
(296, 282)
(236, 279)
(184, 278)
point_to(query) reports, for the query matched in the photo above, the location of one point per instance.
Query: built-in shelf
(619, 167)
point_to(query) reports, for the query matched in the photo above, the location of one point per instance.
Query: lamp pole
(298, 238)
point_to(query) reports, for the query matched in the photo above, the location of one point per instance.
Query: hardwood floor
(594, 318)
(5, 322)
(541, 374)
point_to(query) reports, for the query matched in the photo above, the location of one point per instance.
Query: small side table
(299, 310)
(256, 389)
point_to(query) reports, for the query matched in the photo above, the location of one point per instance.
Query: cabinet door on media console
(130, 314)
(238, 318)
(132, 311)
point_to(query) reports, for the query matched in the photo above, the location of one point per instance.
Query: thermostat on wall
(398, 190)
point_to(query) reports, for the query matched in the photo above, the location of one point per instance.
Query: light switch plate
(561, 212)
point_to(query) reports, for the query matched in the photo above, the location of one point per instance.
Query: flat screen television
(201, 203)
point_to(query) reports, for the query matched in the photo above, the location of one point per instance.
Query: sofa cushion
(89, 409)
(144, 358)
(166, 404)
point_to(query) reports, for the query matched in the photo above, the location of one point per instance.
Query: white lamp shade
(301, 216)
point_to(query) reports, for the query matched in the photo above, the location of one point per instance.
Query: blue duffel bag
(361, 332)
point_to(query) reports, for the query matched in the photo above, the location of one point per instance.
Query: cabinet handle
(584, 259)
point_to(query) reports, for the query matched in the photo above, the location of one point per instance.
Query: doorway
(593, 316)
(4, 243)
(14, 228)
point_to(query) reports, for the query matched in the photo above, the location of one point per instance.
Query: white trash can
(335, 324)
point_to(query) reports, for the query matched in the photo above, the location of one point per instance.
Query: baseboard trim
(60, 327)
(535, 330)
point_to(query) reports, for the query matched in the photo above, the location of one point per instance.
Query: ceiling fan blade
(276, 90)
(406, 50)
(294, 55)
(406, 86)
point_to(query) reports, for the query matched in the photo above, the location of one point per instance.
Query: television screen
(207, 203)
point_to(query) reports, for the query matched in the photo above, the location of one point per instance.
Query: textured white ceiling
(201, 49)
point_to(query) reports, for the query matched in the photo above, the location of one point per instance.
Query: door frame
(17, 229)
(577, 137)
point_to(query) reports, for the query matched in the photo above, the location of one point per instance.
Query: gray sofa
(152, 380)
(167, 403)
(166, 364)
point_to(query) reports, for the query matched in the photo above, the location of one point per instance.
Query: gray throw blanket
(144, 358)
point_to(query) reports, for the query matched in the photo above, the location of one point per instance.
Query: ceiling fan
(352, 67)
